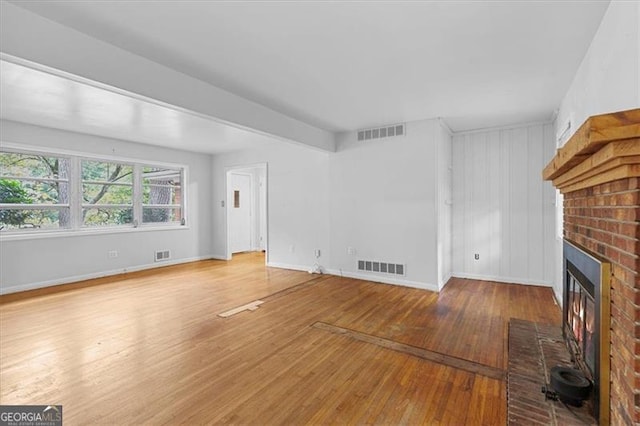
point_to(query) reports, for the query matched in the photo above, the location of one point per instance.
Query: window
(43, 191)
(34, 191)
(107, 193)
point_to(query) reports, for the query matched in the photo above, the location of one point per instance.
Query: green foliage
(12, 192)
(29, 165)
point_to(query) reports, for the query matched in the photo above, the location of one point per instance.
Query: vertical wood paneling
(518, 192)
(502, 209)
(496, 236)
(458, 215)
(535, 216)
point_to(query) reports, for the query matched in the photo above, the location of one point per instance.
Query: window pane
(106, 183)
(107, 216)
(14, 191)
(34, 219)
(162, 175)
(161, 214)
(160, 194)
(105, 194)
(32, 165)
(161, 186)
(102, 171)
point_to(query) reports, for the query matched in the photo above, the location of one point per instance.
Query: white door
(240, 212)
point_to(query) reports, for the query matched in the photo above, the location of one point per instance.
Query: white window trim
(75, 201)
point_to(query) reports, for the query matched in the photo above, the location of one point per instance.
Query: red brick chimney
(598, 171)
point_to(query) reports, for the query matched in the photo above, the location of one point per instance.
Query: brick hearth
(533, 350)
(598, 171)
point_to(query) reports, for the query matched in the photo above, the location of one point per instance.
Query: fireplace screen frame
(594, 275)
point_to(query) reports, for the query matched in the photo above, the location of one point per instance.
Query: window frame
(76, 202)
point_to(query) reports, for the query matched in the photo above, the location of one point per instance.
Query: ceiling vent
(381, 132)
(381, 267)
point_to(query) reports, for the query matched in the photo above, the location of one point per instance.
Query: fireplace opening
(586, 320)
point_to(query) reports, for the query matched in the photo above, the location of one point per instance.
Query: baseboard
(364, 277)
(218, 257)
(76, 278)
(288, 266)
(508, 280)
(384, 280)
(444, 281)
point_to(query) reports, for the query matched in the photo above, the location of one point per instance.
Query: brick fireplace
(598, 171)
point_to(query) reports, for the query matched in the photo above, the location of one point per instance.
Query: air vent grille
(381, 267)
(162, 255)
(381, 132)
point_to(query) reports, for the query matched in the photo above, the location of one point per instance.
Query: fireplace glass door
(581, 320)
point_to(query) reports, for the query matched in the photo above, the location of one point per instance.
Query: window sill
(85, 232)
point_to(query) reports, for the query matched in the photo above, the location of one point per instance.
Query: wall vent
(381, 267)
(381, 132)
(162, 255)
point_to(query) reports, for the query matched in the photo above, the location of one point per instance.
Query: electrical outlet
(112, 254)
(317, 252)
(351, 251)
(476, 256)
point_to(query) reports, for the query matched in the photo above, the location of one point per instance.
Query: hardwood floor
(149, 348)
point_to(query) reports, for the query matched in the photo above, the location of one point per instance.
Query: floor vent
(381, 267)
(381, 132)
(162, 255)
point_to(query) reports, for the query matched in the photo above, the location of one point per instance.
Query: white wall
(297, 199)
(444, 184)
(34, 263)
(608, 78)
(384, 204)
(502, 209)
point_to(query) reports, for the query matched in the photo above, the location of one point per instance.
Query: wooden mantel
(605, 148)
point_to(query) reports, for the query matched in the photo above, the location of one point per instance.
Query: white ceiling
(348, 65)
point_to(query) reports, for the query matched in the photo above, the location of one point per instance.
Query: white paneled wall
(502, 209)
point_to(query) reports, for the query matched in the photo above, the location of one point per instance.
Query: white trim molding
(77, 278)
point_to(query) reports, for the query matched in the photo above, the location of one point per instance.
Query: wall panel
(502, 209)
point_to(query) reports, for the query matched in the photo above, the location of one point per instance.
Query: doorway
(246, 209)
